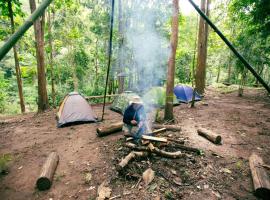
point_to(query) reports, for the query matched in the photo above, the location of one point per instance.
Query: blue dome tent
(184, 93)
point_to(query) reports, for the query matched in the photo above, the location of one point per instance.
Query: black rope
(193, 65)
(229, 44)
(109, 58)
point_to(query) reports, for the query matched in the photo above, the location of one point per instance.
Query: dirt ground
(222, 172)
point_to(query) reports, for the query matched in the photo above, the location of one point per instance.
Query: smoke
(145, 50)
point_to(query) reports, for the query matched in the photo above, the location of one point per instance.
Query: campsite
(134, 99)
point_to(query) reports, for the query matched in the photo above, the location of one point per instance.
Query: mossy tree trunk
(16, 59)
(171, 63)
(43, 103)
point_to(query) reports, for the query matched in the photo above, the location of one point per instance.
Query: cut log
(44, 181)
(152, 138)
(107, 130)
(216, 139)
(129, 157)
(260, 179)
(168, 127)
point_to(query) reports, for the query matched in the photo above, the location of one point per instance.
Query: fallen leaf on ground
(177, 181)
(226, 170)
(148, 176)
(104, 192)
(87, 178)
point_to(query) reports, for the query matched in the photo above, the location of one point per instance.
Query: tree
(16, 58)
(171, 63)
(51, 63)
(120, 48)
(39, 37)
(202, 49)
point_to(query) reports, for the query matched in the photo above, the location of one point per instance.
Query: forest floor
(222, 172)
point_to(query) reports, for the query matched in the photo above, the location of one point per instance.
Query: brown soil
(221, 172)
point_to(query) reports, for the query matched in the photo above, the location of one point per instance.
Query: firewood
(152, 149)
(129, 139)
(216, 139)
(266, 166)
(176, 141)
(129, 157)
(260, 178)
(135, 147)
(161, 130)
(145, 142)
(177, 154)
(152, 138)
(153, 132)
(107, 130)
(44, 181)
(168, 127)
(192, 149)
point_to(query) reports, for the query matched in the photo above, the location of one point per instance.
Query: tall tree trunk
(74, 74)
(16, 59)
(171, 63)
(39, 37)
(218, 74)
(260, 74)
(229, 71)
(75, 79)
(202, 49)
(51, 55)
(120, 48)
(96, 66)
(242, 83)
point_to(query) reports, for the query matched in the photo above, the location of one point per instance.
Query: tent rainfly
(184, 93)
(74, 109)
(121, 102)
(156, 97)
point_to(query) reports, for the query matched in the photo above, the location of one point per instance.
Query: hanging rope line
(109, 58)
(229, 44)
(193, 65)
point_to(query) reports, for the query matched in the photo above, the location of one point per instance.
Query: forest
(196, 74)
(76, 35)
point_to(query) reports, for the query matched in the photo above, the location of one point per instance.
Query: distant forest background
(76, 35)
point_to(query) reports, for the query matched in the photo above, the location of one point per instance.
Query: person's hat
(136, 100)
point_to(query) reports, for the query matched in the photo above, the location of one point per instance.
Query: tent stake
(109, 59)
(229, 44)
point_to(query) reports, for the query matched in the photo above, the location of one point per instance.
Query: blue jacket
(134, 112)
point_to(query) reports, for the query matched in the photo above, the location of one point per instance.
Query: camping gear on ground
(184, 93)
(121, 102)
(156, 97)
(75, 109)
